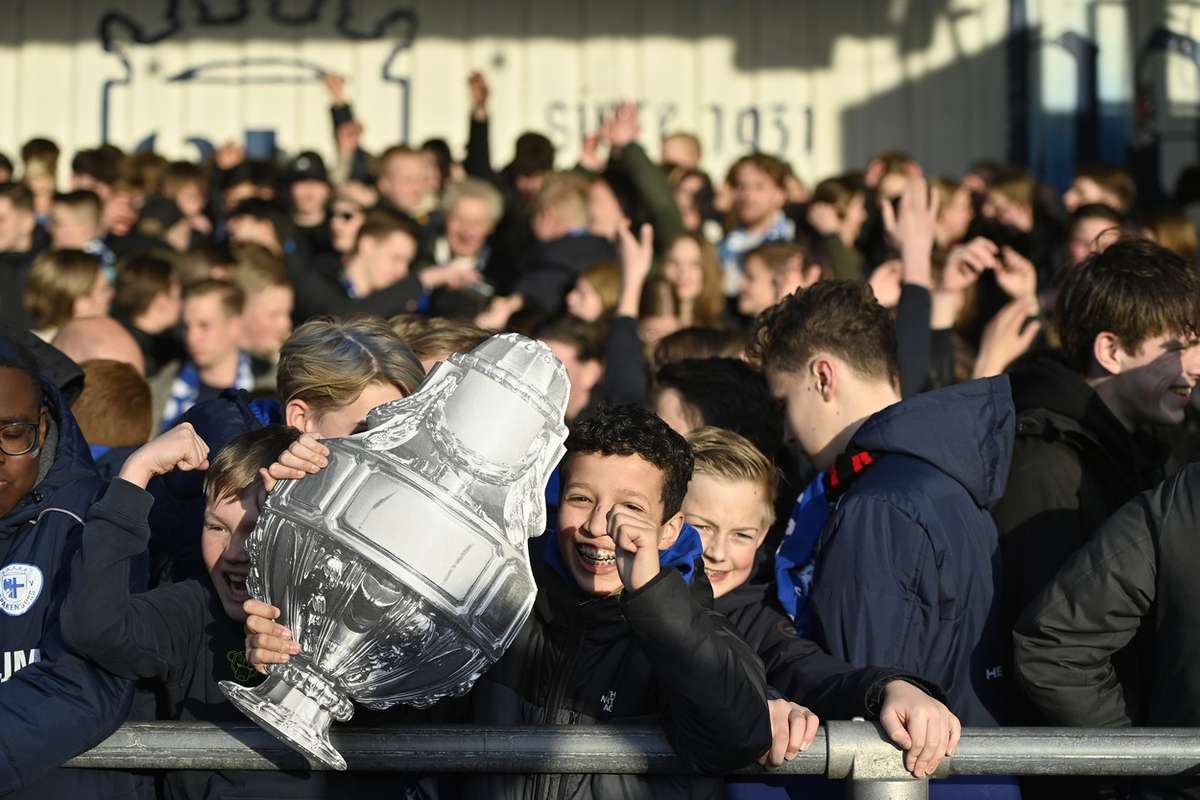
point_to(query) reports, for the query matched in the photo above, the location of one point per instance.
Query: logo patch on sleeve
(20, 586)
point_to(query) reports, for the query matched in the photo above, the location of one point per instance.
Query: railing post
(872, 766)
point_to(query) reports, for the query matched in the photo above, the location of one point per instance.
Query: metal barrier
(856, 751)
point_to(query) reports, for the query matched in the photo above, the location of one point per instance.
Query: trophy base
(290, 716)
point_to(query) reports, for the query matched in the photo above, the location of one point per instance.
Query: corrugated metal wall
(822, 83)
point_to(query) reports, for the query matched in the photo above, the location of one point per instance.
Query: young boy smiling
(621, 630)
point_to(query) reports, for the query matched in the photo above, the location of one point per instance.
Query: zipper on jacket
(559, 693)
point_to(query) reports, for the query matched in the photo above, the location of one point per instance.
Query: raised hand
(920, 725)
(966, 262)
(623, 125)
(914, 227)
(1016, 274)
(336, 86)
(590, 157)
(637, 256)
(180, 448)
(1006, 338)
(636, 538)
(479, 91)
(793, 729)
(305, 456)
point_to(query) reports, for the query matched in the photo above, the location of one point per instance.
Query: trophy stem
(297, 707)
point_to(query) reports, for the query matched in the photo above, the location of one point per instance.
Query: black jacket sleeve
(913, 338)
(651, 184)
(478, 160)
(134, 636)
(625, 380)
(697, 656)
(1065, 641)
(56, 708)
(806, 674)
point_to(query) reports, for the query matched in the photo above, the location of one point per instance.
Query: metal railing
(855, 751)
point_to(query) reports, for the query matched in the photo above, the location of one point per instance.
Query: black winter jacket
(658, 655)
(1133, 582)
(797, 667)
(1073, 465)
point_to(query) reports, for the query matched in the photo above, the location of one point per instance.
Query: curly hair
(838, 317)
(634, 431)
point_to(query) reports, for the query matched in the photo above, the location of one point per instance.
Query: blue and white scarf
(186, 389)
(740, 241)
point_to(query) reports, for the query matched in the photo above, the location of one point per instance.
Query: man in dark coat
(1132, 584)
(1129, 319)
(899, 567)
(54, 705)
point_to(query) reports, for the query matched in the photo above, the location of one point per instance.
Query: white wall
(822, 83)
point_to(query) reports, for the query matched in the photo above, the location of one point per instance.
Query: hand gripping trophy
(401, 568)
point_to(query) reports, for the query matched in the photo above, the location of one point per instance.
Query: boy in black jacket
(187, 635)
(730, 502)
(621, 630)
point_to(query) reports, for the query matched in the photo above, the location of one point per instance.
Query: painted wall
(824, 84)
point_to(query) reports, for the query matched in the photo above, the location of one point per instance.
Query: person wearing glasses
(54, 704)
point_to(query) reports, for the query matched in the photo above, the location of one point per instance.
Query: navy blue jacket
(907, 571)
(53, 704)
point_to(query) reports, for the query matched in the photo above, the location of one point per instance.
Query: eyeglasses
(18, 438)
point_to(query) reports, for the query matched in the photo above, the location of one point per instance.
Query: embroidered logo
(994, 673)
(607, 699)
(20, 586)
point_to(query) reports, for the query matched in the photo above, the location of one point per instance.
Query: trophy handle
(292, 716)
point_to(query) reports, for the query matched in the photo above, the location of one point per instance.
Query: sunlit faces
(16, 227)
(210, 333)
(227, 524)
(954, 220)
(267, 320)
(595, 485)
(71, 228)
(683, 268)
(1155, 384)
(1085, 191)
(584, 301)
(404, 181)
(731, 518)
(756, 197)
(344, 221)
(468, 226)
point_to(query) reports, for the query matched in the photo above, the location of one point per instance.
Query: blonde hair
(723, 454)
(57, 280)
(605, 278)
(327, 362)
(478, 189)
(565, 192)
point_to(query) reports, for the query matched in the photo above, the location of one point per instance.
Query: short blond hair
(723, 454)
(256, 268)
(478, 189)
(327, 362)
(57, 280)
(564, 192)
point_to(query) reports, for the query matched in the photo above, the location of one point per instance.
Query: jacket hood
(64, 463)
(966, 431)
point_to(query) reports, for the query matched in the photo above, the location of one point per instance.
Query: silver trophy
(401, 568)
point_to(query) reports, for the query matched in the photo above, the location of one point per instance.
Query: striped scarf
(186, 389)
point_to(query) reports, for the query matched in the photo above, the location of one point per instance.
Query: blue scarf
(681, 555)
(795, 561)
(186, 389)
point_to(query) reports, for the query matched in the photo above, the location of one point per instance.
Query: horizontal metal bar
(630, 750)
(415, 748)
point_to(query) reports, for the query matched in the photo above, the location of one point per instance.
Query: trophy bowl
(401, 568)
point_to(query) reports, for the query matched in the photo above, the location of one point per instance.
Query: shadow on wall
(749, 23)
